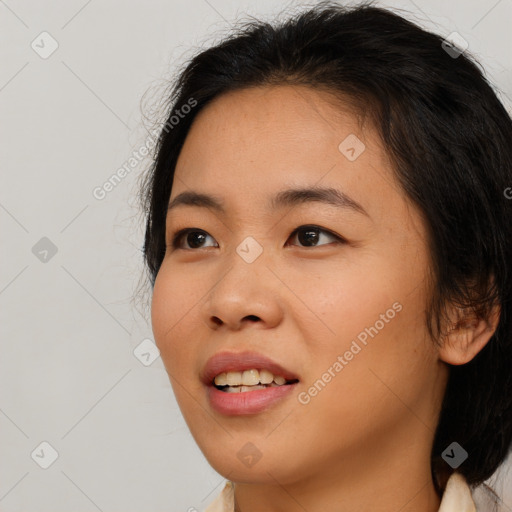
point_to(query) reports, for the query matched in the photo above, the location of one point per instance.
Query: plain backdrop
(78, 392)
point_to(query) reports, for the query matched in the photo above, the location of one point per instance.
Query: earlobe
(468, 336)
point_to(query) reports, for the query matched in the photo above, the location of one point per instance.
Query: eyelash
(182, 232)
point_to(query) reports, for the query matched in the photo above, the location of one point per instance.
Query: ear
(467, 335)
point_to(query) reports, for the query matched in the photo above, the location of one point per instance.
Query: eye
(309, 236)
(193, 236)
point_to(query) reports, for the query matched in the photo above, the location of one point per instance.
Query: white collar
(457, 495)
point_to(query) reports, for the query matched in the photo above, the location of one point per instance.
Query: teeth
(248, 378)
(243, 389)
(266, 377)
(234, 378)
(221, 380)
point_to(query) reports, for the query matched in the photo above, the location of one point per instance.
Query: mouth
(246, 383)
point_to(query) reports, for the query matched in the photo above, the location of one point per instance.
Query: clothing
(457, 497)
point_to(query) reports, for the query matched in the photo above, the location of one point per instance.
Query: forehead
(275, 123)
(248, 144)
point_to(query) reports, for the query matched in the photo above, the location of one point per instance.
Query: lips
(246, 401)
(232, 362)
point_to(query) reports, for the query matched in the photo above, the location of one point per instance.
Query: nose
(246, 294)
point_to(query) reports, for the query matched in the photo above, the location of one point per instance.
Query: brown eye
(194, 237)
(309, 236)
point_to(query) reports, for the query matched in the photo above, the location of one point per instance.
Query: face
(332, 293)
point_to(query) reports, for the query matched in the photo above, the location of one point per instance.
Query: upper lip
(232, 362)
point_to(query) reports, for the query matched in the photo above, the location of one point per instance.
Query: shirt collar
(457, 495)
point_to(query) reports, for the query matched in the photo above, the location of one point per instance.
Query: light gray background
(68, 374)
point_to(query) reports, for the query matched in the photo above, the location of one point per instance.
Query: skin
(364, 441)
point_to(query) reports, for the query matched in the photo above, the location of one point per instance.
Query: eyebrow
(289, 197)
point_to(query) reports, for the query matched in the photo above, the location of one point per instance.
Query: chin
(246, 464)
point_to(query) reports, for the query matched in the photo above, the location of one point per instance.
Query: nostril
(252, 317)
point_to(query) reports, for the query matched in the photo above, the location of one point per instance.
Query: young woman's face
(340, 306)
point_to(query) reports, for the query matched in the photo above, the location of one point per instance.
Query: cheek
(345, 299)
(173, 322)
(373, 317)
(172, 304)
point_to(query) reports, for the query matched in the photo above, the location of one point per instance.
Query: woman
(329, 244)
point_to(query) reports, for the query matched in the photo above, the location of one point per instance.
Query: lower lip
(248, 402)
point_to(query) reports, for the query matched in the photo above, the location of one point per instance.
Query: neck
(375, 483)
